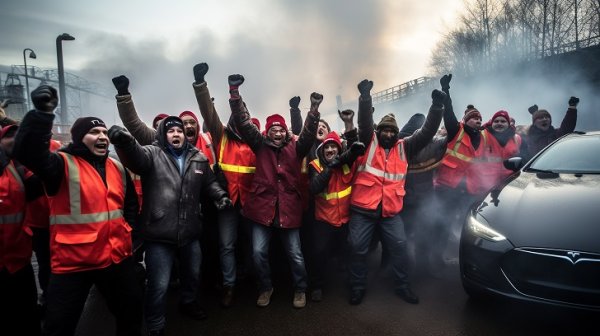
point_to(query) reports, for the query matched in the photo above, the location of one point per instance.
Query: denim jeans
(234, 238)
(360, 233)
(290, 238)
(159, 262)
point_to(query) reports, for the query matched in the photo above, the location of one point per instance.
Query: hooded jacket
(534, 139)
(171, 211)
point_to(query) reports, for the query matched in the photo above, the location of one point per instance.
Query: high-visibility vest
(381, 178)
(333, 205)
(205, 145)
(238, 163)
(15, 237)
(87, 228)
(491, 170)
(460, 162)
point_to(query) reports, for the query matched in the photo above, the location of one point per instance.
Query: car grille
(557, 275)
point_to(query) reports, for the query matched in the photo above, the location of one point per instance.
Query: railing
(403, 90)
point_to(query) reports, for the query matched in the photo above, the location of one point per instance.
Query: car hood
(560, 211)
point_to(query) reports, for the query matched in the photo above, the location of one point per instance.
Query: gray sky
(284, 48)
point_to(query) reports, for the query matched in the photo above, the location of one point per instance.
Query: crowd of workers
(128, 223)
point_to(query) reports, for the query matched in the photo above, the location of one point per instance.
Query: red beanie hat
(470, 113)
(256, 122)
(275, 120)
(501, 113)
(159, 117)
(191, 114)
(333, 137)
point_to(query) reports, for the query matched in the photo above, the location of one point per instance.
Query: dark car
(536, 236)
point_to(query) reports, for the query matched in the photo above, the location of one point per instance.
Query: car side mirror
(514, 163)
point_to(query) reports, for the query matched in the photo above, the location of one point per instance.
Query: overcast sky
(284, 48)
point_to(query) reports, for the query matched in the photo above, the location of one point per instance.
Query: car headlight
(479, 228)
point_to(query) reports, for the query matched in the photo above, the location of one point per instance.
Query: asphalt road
(444, 309)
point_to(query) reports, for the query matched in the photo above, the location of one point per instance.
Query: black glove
(45, 98)
(334, 163)
(295, 102)
(358, 148)
(445, 82)
(573, 101)
(235, 80)
(532, 109)
(438, 97)
(223, 203)
(119, 136)
(121, 84)
(200, 71)
(316, 98)
(364, 87)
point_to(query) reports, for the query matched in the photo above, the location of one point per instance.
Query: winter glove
(532, 108)
(316, 99)
(235, 80)
(573, 101)
(358, 149)
(295, 102)
(220, 176)
(438, 97)
(334, 163)
(364, 87)
(121, 84)
(44, 98)
(445, 82)
(346, 115)
(200, 71)
(223, 203)
(119, 136)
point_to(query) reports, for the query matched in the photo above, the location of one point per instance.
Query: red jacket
(15, 237)
(87, 228)
(333, 205)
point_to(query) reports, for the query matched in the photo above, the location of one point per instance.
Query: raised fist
(316, 98)
(44, 98)
(119, 136)
(364, 87)
(235, 80)
(532, 108)
(295, 102)
(200, 71)
(573, 101)
(358, 148)
(438, 97)
(223, 203)
(121, 84)
(346, 115)
(445, 82)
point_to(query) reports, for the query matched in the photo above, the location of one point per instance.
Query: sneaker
(264, 298)
(227, 298)
(192, 310)
(299, 300)
(316, 295)
(407, 295)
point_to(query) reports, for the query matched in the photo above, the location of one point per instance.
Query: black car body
(536, 236)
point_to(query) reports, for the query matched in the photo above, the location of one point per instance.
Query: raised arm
(133, 156)
(129, 116)
(418, 140)
(309, 130)
(295, 115)
(365, 112)
(205, 103)
(570, 120)
(241, 117)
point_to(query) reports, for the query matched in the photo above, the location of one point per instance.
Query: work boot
(299, 300)
(264, 298)
(356, 296)
(407, 295)
(192, 310)
(227, 298)
(316, 295)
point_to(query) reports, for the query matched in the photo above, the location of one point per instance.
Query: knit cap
(388, 120)
(83, 125)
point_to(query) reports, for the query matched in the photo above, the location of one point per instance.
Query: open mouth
(321, 132)
(101, 146)
(176, 141)
(190, 132)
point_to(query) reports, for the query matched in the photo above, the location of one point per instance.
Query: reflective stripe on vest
(75, 216)
(337, 194)
(366, 167)
(229, 167)
(454, 151)
(14, 218)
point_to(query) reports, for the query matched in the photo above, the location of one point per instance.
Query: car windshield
(572, 154)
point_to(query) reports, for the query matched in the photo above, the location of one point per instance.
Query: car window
(577, 154)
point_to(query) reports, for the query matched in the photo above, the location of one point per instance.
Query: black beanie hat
(83, 125)
(172, 121)
(415, 122)
(388, 120)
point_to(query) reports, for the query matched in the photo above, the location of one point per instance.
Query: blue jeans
(360, 233)
(233, 234)
(159, 262)
(290, 238)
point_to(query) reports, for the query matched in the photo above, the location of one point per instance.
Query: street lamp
(33, 56)
(64, 117)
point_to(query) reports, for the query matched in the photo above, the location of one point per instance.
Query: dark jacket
(171, 211)
(141, 132)
(534, 140)
(275, 190)
(319, 181)
(32, 149)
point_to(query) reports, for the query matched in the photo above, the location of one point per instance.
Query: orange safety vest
(15, 237)
(381, 178)
(333, 205)
(238, 163)
(87, 228)
(461, 161)
(491, 170)
(205, 145)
